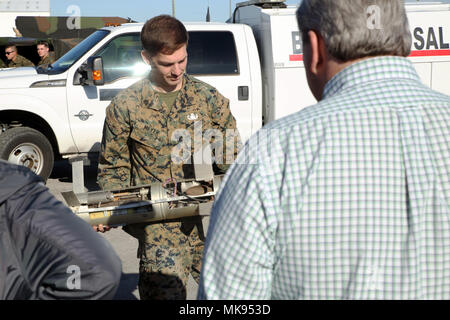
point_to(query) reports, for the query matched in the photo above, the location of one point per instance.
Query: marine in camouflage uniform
(44, 62)
(43, 50)
(20, 61)
(136, 149)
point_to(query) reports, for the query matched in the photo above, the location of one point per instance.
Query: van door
(220, 58)
(123, 66)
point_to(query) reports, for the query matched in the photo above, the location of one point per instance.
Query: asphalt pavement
(124, 245)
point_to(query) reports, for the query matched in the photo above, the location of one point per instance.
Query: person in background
(16, 60)
(137, 148)
(43, 51)
(348, 198)
(46, 252)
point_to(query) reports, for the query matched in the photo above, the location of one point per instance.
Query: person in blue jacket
(46, 251)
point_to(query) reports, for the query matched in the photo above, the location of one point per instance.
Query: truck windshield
(72, 56)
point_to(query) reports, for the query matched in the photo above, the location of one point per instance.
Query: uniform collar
(186, 81)
(152, 99)
(370, 70)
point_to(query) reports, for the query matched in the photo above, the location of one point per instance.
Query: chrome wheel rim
(28, 155)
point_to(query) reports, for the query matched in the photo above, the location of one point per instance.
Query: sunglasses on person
(6, 52)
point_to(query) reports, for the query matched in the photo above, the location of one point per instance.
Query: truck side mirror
(92, 72)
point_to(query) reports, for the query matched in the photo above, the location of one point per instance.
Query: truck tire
(28, 147)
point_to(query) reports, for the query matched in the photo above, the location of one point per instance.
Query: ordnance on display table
(146, 203)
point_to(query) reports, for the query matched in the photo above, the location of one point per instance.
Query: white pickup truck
(255, 61)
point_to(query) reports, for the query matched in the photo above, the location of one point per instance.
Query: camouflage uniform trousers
(170, 252)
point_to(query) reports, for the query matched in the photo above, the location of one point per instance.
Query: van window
(209, 53)
(72, 56)
(212, 53)
(122, 57)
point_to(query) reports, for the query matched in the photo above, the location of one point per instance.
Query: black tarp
(62, 33)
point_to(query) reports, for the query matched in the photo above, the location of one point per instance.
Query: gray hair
(354, 29)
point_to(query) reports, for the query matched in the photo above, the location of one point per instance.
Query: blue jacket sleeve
(59, 255)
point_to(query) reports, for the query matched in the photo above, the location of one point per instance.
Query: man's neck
(335, 66)
(43, 57)
(164, 88)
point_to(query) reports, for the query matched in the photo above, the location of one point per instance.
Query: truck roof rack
(266, 4)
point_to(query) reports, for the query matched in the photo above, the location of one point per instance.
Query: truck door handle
(243, 93)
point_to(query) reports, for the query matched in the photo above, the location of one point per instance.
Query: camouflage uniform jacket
(137, 135)
(46, 61)
(20, 62)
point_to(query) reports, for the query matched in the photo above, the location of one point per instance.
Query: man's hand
(101, 228)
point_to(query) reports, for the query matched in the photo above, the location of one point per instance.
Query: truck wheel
(27, 147)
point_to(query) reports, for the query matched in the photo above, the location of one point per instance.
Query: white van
(285, 88)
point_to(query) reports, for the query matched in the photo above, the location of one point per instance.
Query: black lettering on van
(442, 44)
(297, 42)
(431, 39)
(418, 32)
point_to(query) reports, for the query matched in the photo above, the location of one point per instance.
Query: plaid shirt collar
(369, 70)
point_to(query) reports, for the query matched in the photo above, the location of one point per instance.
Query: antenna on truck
(265, 4)
(208, 17)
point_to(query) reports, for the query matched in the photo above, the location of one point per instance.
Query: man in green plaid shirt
(349, 198)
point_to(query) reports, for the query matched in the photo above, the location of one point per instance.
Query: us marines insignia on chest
(192, 116)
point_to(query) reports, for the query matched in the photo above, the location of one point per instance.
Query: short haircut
(45, 43)
(11, 46)
(354, 29)
(163, 34)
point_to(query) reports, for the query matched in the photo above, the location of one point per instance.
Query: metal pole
(230, 9)
(173, 8)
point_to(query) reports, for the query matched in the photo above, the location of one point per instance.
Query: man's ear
(146, 58)
(318, 52)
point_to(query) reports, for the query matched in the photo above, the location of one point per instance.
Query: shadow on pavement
(128, 284)
(62, 171)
